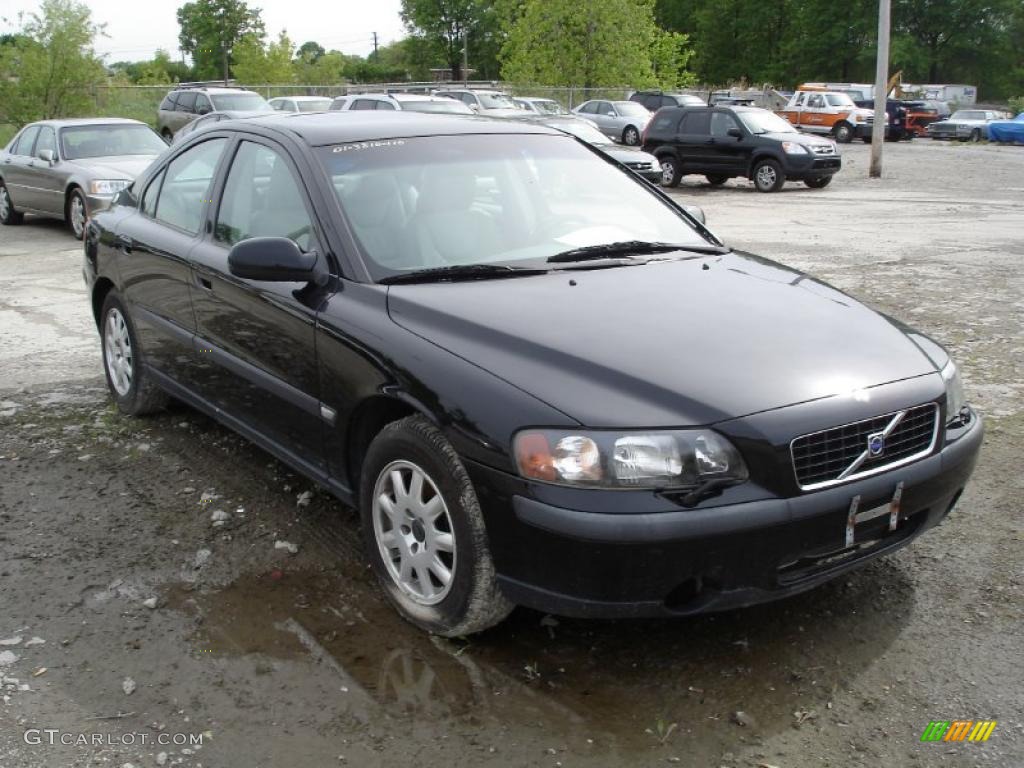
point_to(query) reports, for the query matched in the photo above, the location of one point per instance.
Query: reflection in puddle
(608, 688)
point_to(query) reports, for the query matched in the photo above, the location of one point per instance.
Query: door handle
(125, 243)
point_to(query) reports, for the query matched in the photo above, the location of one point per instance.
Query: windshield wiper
(625, 248)
(461, 272)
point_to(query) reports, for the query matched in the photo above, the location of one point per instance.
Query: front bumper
(800, 167)
(676, 561)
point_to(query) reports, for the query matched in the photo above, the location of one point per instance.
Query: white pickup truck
(829, 113)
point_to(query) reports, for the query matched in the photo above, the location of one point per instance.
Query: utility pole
(465, 59)
(375, 44)
(881, 86)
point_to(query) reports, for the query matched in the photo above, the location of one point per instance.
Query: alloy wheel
(117, 351)
(766, 177)
(5, 203)
(77, 215)
(668, 171)
(414, 532)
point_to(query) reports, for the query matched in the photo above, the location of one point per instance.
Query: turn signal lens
(533, 455)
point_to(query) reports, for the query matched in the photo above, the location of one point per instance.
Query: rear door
(16, 175)
(257, 339)
(694, 140)
(154, 246)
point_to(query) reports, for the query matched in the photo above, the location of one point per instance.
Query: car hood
(685, 342)
(122, 167)
(627, 154)
(798, 138)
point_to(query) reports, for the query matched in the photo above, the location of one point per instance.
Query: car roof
(320, 129)
(73, 121)
(218, 89)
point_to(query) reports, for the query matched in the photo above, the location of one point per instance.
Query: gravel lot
(282, 659)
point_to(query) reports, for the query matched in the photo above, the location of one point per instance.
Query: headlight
(792, 148)
(108, 186)
(955, 399)
(683, 458)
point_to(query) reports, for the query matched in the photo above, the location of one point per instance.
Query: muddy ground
(109, 557)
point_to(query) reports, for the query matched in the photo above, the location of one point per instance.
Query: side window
(816, 101)
(721, 122)
(28, 138)
(385, 105)
(799, 100)
(605, 108)
(167, 104)
(262, 199)
(696, 123)
(468, 98)
(186, 102)
(47, 140)
(186, 187)
(588, 108)
(148, 205)
(652, 102)
(203, 103)
(363, 104)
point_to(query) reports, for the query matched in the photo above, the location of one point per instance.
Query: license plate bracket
(856, 515)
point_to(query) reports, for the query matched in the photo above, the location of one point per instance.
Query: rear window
(168, 103)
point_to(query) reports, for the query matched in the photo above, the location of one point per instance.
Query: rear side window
(168, 103)
(665, 122)
(385, 105)
(364, 104)
(696, 123)
(817, 101)
(186, 102)
(653, 103)
(28, 138)
(186, 187)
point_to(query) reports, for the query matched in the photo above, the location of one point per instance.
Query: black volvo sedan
(540, 380)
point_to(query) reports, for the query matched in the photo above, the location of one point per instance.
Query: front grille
(841, 453)
(639, 166)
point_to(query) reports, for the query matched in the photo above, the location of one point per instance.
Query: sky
(136, 28)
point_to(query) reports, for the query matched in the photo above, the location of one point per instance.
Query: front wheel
(424, 532)
(76, 214)
(768, 176)
(819, 182)
(976, 135)
(671, 172)
(843, 133)
(132, 387)
(8, 216)
(630, 136)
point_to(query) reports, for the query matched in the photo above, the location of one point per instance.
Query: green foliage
(593, 44)
(49, 69)
(210, 30)
(1017, 105)
(257, 64)
(447, 23)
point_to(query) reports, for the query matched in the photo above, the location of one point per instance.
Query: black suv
(655, 100)
(722, 142)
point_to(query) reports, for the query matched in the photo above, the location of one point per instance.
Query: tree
(593, 44)
(256, 64)
(310, 52)
(447, 23)
(50, 69)
(210, 29)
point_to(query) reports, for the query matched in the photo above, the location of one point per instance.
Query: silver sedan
(620, 120)
(69, 169)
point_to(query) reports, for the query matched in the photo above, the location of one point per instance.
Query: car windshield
(967, 114)
(581, 130)
(446, 106)
(496, 101)
(82, 141)
(763, 121)
(548, 107)
(314, 105)
(443, 201)
(839, 100)
(240, 102)
(631, 109)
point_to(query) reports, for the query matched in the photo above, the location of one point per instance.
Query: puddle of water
(617, 687)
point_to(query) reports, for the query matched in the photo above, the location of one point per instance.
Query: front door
(257, 339)
(731, 153)
(47, 178)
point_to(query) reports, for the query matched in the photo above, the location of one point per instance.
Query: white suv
(409, 102)
(484, 102)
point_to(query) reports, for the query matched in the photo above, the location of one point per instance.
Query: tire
(768, 176)
(450, 532)
(168, 136)
(716, 179)
(843, 133)
(76, 213)
(819, 182)
(671, 171)
(866, 139)
(975, 136)
(133, 388)
(631, 136)
(8, 216)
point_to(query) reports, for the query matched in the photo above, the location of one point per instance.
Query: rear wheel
(631, 136)
(819, 182)
(76, 214)
(168, 136)
(976, 135)
(132, 387)
(671, 172)
(768, 176)
(8, 215)
(843, 133)
(424, 532)
(716, 179)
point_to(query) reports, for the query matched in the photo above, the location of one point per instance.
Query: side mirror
(203, 110)
(696, 211)
(610, 113)
(275, 259)
(47, 156)
(736, 133)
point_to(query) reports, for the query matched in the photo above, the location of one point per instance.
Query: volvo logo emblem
(876, 444)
